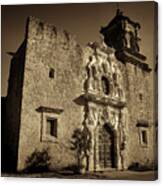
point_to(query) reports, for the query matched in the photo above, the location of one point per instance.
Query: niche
(105, 85)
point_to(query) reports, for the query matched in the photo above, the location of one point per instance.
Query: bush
(136, 166)
(75, 169)
(81, 143)
(39, 161)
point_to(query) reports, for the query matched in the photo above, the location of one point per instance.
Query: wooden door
(106, 147)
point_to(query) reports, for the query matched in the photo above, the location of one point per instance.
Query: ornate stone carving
(104, 95)
(103, 76)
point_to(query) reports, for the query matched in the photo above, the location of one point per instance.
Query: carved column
(90, 122)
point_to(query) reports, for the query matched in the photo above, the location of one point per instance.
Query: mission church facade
(57, 86)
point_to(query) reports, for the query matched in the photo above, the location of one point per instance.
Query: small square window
(140, 96)
(52, 127)
(144, 136)
(51, 73)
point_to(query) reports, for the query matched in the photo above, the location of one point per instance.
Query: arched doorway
(106, 147)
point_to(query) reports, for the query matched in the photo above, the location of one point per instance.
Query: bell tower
(122, 34)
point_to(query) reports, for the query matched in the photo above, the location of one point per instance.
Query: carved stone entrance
(106, 147)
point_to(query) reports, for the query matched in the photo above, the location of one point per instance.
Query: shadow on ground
(107, 175)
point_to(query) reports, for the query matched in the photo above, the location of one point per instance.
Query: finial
(119, 12)
(117, 5)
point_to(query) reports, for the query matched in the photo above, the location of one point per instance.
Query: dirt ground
(107, 175)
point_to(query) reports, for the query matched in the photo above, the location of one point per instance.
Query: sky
(82, 20)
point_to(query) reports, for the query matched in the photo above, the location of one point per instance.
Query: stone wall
(50, 48)
(138, 90)
(13, 107)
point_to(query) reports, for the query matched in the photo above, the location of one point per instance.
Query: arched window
(105, 85)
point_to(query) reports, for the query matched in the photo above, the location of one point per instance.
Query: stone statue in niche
(105, 85)
(130, 40)
(92, 81)
(114, 119)
(137, 39)
(129, 35)
(105, 114)
(105, 68)
(89, 81)
(134, 42)
(126, 39)
(94, 114)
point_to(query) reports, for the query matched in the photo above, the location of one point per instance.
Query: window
(105, 85)
(144, 137)
(49, 123)
(141, 97)
(51, 73)
(143, 132)
(51, 127)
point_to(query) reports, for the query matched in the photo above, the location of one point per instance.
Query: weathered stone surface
(48, 48)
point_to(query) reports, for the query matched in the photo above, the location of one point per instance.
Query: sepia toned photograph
(79, 91)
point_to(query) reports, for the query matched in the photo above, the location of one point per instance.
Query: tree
(82, 144)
